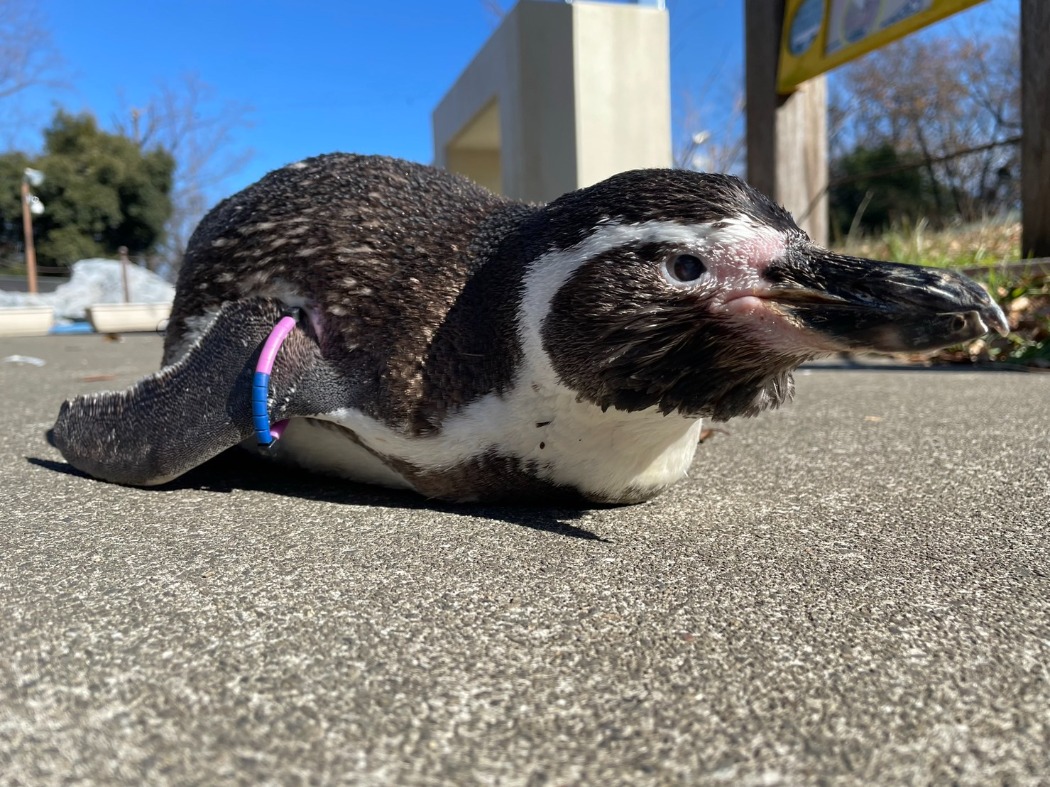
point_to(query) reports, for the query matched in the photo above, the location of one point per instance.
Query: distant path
(18, 283)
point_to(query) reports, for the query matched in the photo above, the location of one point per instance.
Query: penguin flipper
(192, 410)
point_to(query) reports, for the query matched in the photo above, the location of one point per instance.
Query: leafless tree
(494, 9)
(27, 55)
(199, 129)
(711, 141)
(27, 58)
(708, 120)
(937, 96)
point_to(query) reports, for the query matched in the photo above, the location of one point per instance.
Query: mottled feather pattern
(650, 349)
(415, 274)
(385, 254)
(470, 347)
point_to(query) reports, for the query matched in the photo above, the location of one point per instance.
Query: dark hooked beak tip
(996, 320)
(867, 304)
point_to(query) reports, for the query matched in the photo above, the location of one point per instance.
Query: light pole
(31, 206)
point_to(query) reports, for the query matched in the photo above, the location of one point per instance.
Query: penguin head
(694, 293)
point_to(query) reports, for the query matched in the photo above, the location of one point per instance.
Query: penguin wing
(189, 411)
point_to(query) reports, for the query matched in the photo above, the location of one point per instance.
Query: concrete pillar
(561, 96)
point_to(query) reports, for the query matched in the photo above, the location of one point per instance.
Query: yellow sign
(821, 34)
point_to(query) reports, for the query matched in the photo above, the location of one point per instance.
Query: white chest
(611, 456)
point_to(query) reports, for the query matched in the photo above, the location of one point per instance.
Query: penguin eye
(685, 268)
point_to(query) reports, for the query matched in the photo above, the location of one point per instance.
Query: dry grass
(984, 243)
(1024, 298)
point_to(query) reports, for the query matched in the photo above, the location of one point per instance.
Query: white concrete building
(561, 96)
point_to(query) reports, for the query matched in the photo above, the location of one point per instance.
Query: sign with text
(821, 34)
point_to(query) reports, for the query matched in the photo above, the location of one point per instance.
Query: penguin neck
(610, 455)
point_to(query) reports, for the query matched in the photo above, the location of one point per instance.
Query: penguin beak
(859, 304)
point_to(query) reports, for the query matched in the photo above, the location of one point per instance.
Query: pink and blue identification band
(264, 433)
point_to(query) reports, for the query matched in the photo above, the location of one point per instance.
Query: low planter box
(128, 317)
(26, 320)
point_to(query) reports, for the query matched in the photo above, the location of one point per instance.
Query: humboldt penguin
(473, 348)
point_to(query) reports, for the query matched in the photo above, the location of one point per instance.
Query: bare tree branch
(27, 56)
(934, 95)
(494, 8)
(188, 120)
(712, 141)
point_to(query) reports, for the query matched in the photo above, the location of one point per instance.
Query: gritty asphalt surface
(855, 589)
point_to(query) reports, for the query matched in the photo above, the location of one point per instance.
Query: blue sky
(321, 76)
(329, 75)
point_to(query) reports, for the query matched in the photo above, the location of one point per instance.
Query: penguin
(470, 347)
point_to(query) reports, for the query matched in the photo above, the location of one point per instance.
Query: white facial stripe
(740, 239)
(747, 243)
(743, 231)
(550, 272)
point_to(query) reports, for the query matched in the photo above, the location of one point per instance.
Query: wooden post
(1035, 125)
(787, 139)
(27, 229)
(124, 261)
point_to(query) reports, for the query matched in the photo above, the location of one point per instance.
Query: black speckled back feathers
(384, 253)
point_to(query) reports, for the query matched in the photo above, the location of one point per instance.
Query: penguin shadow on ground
(238, 470)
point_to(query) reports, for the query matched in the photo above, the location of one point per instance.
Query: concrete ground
(855, 589)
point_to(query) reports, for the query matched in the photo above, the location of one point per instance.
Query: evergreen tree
(12, 165)
(891, 186)
(101, 192)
